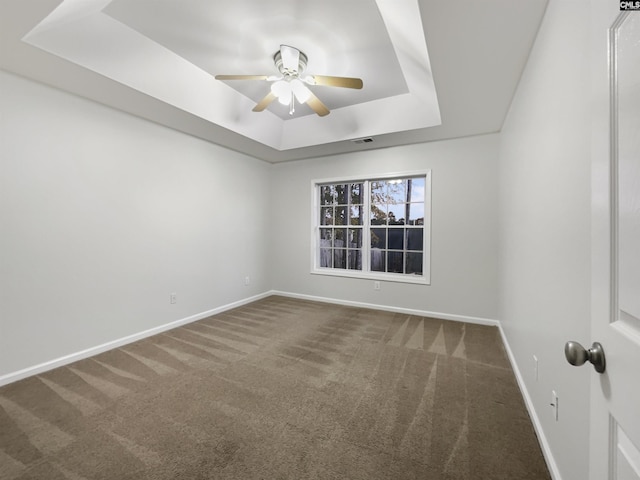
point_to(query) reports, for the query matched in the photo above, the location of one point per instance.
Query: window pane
(355, 238)
(356, 193)
(396, 262)
(326, 216)
(378, 214)
(341, 191)
(379, 238)
(415, 239)
(354, 258)
(326, 233)
(356, 216)
(340, 237)
(397, 214)
(378, 191)
(416, 214)
(327, 195)
(339, 258)
(325, 257)
(377, 260)
(396, 191)
(341, 216)
(416, 185)
(414, 263)
(396, 239)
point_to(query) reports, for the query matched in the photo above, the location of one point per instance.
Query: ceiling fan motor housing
(302, 64)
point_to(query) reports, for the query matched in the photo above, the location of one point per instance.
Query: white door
(615, 395)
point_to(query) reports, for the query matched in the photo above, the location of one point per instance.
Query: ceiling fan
(290, 86)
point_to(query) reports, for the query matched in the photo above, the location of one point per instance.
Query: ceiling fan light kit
(290, 86)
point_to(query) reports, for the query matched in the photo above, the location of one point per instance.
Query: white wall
(103, 215)
(545, 228)
(464, 227)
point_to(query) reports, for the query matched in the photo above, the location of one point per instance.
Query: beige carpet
(279, 389)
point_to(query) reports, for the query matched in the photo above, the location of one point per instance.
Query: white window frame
(424, 279)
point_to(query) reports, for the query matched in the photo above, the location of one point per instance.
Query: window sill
(382, 277)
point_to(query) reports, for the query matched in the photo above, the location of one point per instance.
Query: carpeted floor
(279, 389)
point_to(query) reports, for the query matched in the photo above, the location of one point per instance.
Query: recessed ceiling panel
(343, 38)
(119, 46)
(477, 51)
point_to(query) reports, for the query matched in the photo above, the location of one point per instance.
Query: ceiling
(432, 69)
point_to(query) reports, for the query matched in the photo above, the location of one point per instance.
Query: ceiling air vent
(363, 140)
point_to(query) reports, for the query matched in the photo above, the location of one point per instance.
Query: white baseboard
(89, 352)
(374, 306)
(542, 439)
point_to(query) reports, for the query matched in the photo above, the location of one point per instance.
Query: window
(374, 228)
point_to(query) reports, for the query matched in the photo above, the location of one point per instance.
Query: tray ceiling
(157, 59)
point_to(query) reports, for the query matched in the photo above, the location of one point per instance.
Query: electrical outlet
(247, 281)
(376, 285)
(535, 368)
(554, 404)
(173, 298)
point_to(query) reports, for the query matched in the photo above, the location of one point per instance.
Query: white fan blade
(290, 58)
